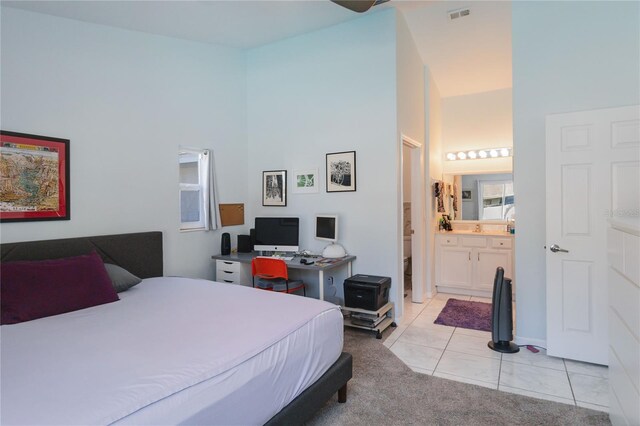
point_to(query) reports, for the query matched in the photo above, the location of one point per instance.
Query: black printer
(369, 292)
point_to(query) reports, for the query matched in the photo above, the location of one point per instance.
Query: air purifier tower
(501, 315)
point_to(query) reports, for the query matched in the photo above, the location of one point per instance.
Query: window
(194, 189)
(496, 200)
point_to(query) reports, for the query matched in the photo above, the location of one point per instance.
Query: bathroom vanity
(466, 261)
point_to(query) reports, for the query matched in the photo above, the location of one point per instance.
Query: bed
(171, 350)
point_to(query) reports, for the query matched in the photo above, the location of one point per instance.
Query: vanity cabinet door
(455, 267)
(486, 263)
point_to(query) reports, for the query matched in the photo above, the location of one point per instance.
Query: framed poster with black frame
(341, 171)
(274, 188)
(34, 184)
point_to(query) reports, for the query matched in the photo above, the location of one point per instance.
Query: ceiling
(467, 55)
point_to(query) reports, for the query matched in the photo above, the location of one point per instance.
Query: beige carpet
(384, 390)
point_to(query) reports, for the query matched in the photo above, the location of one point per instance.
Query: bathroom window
(497, 200)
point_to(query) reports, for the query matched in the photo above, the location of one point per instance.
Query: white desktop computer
(327, 230)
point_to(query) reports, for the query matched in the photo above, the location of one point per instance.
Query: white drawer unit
(449, 241)
(474, 242)
(623, 241)
(501, 243)
(467, 264)
(232, 272)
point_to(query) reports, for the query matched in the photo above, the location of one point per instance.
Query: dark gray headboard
(139, 253)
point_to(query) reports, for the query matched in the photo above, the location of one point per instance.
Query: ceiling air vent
(458, 13)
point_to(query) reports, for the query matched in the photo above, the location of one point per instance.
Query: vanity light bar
(479, 154)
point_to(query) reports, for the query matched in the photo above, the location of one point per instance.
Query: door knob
(556, 248)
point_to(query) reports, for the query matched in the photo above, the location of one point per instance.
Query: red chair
(272, 274)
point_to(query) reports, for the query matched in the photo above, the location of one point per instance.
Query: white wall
(433, 106)
(567, 56)
(126, 100)
(329, 91)
(411, 123)
(480, 120)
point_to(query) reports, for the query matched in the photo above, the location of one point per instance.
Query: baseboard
(464, 292)
(530, 341)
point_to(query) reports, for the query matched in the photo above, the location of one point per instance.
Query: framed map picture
(34, 178)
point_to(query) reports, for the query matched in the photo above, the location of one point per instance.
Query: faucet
(478, 229)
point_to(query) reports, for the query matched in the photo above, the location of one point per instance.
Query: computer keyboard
(285, 258)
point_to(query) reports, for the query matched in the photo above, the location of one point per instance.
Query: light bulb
(472, 154)
(482, 154)
(451, 156)
(504, 152)
(462, 155)
(493, 153)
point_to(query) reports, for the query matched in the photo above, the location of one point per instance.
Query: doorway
(412, 207)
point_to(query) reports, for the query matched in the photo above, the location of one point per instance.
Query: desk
(245, 258)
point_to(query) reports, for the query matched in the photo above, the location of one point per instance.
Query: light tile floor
(461, 354)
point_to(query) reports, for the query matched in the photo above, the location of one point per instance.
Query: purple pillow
(36, 289)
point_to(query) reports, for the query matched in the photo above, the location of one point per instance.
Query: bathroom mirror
(483, 197)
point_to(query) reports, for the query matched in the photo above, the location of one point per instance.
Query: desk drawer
(227, 276)
(227, 265)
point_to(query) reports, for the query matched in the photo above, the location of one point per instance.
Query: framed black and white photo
(274, 188)
(305, 181)
(466, 195)
(341, 171)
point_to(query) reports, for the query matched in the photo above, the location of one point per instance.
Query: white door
(592, 172)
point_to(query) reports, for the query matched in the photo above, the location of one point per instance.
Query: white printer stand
(377, 321)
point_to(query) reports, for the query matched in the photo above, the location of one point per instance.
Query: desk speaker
(244, 244)
(225, 244)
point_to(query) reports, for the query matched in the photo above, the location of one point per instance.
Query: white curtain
(213, 212)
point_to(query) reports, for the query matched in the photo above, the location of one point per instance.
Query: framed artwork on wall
(274, 188)
(305, 181)
(341, 171)
(34, 178)
(467, 195)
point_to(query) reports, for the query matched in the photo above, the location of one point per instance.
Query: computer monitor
(277, 234)
(327, 227)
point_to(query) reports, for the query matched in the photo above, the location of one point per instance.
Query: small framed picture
(466, 195)
(35, 178)
(274, 188)
(341, 171)
(305, 181)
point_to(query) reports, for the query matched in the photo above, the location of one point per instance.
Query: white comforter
(172, 350)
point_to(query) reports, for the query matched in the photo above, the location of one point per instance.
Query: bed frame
(141, 254)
